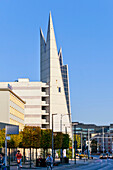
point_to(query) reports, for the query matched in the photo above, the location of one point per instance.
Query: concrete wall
(4, 106)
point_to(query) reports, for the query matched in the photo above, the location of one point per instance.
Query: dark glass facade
(64, 71)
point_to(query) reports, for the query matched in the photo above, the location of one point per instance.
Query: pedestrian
(19, 158)
(49, 161)
(1, 160)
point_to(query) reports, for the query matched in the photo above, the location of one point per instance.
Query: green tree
(78, 140)
(58, 140)
(31, 138)
(94, 146)
(65, 142)
(2, 138)
(46, 140)
(15, 140)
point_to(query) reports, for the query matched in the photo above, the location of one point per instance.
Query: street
(97, 164)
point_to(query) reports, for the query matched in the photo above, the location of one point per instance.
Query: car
(110, 156)
(103, 156)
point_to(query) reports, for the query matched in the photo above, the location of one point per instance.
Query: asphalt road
(96, 165)
(88, 165)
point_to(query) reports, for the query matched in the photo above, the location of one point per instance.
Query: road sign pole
(6, 146)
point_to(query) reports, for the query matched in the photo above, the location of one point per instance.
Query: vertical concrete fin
(42, 39)
(42, 51)
(51, 41)
(60, 57)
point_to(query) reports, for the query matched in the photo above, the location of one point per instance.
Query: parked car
(110, 156)
(103, 156)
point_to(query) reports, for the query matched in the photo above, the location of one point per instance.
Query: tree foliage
(46, 139)
(31, 137)
(58, 139)
(35, 137)
(2, 137)
(78, 141)
(65, 142)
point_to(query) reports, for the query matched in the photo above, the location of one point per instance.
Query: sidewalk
(61, 166)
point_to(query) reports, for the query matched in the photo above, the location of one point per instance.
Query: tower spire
(50, 33)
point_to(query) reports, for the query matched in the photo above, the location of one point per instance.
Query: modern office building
(82, 130)
(104, 142)
(11, 108)
(102, 134)
(51, 95)
(53, 72)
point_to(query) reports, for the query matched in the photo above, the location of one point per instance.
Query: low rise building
(11, 108)
(37, 104)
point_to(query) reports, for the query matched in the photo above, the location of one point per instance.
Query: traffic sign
(8, 137)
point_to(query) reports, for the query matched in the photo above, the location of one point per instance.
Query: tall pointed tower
(55, 74)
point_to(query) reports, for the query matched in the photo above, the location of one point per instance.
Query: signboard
(9, 86)
(12, 130)
(8, 137)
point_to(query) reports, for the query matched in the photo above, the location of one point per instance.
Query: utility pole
(53, 137)
(72, 144)
(103, 138)
(75, 124)
(6, 146)
(61, 131)
(75, 143)
(88, 144)
(81, 141)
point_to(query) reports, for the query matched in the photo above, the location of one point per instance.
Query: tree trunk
(36, 153)
(44, 153)
(24, 155)
(54, 156)
(9, 156)
(30, 157)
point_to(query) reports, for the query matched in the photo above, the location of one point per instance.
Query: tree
(2, 138)
(65, 142)
(15, 140)
(58, 140)
(78, 141)
(94, 146)
(31, 138)
(46, 139)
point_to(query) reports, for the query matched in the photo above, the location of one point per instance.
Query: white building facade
(53, 72)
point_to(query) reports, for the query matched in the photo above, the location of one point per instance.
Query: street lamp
(61, 121)
(103, 138)
(52, 135)
(74, 124)
(81, 141)
(61, 129)
(66, 128)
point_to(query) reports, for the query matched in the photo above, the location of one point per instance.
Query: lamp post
(81, 141)
(66, 128)
(103, 138)
(88, 144)
(61, 129)
(53, 136)
(74, 124)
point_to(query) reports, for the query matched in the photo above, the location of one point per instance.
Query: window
(59, 89)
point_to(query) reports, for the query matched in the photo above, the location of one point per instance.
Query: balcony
(44, 113)
(43, 121)
(44, 103)
(44, 94)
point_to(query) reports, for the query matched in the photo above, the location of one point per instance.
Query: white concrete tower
(53, 72)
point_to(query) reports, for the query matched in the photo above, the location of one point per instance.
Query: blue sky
(84, 30)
